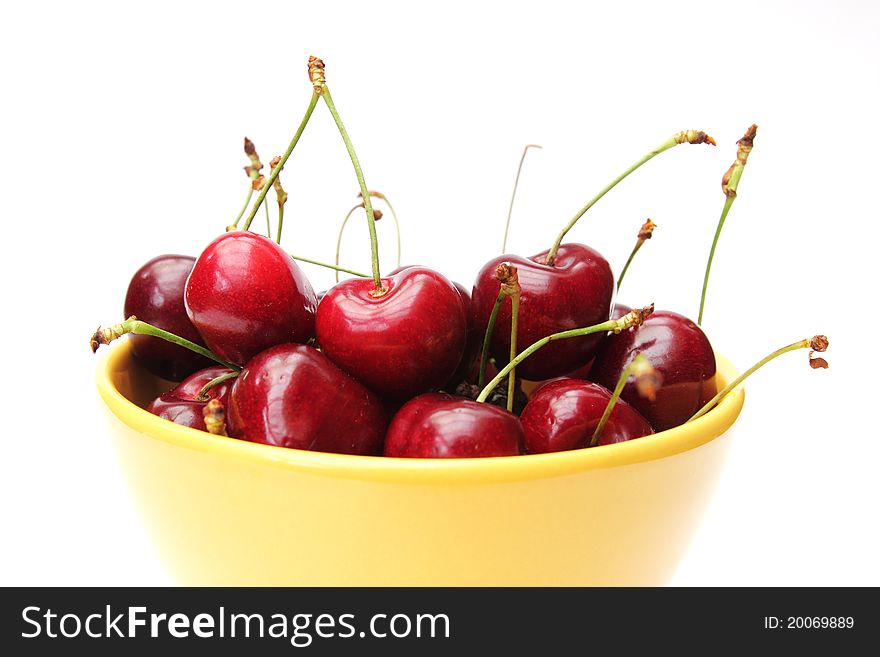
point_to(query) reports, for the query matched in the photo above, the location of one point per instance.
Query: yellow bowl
(228, 512)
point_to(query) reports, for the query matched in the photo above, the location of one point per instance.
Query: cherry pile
(411, 364)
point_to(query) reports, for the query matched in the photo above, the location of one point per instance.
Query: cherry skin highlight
(563, 414)
(292, 395)
(246, 294)
(438, 425)
(679, 350)
(155, 296)
(573, 293)
(401, 343)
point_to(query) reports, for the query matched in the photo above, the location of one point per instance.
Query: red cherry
(155, 296)
(181, 404)
(437, 425)
(563, 414)
(292, 395)
(406, 341)
(575, 292)
(246, 294)
(674, 346)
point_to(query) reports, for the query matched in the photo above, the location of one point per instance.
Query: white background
(122, 130)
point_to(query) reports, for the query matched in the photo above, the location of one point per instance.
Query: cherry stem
(280, 222)
(638, 361)
(136, 326)
(632, 318)
(686, 136)
(217, 380)
(214, 416)
(247, 200)
(272, 176)
(253, 173)
(513, 195)
(817, 343)
(339, 236)
(280, 196)
(328, 266)
(729, 183)
(645, 233)
(511, 378)
(490, 328)
(268, 222)
(383, 198)
(368, 206)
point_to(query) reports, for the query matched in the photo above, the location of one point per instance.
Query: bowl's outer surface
(228, 512)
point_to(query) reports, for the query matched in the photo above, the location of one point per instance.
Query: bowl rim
(423, 471)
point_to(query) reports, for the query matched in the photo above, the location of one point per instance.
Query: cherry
(583, 372)
(576, 291)
(405, 340)
(563, 414)
(292, 395)
(469, 366)
(678, 349)
(246, 294)
(155, 295)
(182, 404)
(438, 425)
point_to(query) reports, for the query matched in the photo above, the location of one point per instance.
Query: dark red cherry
(292, 395)
(186, 412)
(563, 414)
(192, 385)
(573, 293)
(674, 346)
(406, 341)
(181, 404)
(438, 425)
(155, 296)
(246, 294)
(583, 372)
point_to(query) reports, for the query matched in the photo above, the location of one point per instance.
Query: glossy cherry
(246, 294)
(292, 395)
(181, 404)
(438, 425)
(155, 295)
(583, 372)
(679, 350)
(575, 292)
(563, 414)
(400, 343)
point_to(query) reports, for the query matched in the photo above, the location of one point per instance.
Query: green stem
(280, 222)
(490, 328)
(727, 203)
(629, 260)
(247, 201)
(610, 325)
(513, 195)
(368, 206)
(686, 136)
(203, 393)
(268, 222)
(136, 326)
(339, 236)
(324, 264)
(618, 389)
(802, 344)
(551, 255)
(396, 225)
(511, 378)
(272, 176)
